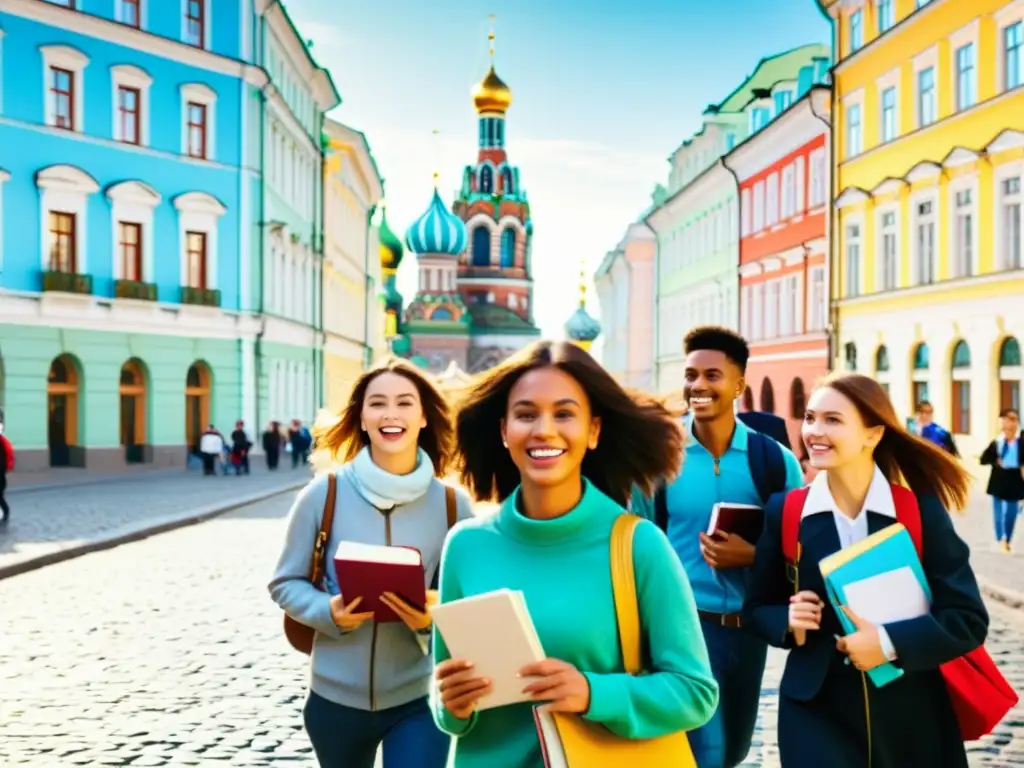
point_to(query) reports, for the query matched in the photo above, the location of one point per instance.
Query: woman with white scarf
(369, 681)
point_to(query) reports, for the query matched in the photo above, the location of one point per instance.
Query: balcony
(67, 282)
(133, 289)
(202, 297)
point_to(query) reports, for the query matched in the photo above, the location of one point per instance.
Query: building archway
(481, 246)
(797, 399)
(961, 375)
(198, 391)
(767, 396)
(748, 400)
(132, 388)
(1010, 374)
(919, 376)
(882, 367)
(62, 395)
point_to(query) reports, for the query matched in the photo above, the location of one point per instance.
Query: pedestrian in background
(240, 447)
(6, 465)
(554, 437)
(272, 444)
(1006, 482)
(301, 441)
(925, 427)
(369, 680)
(830, 715)
(211, 446)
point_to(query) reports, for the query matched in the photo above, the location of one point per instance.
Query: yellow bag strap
(627, 611)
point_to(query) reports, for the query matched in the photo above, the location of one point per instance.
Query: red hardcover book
(368, 570)
(744, 520)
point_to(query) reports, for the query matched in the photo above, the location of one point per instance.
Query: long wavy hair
(340, 437)
(901, 455)
(641, 443)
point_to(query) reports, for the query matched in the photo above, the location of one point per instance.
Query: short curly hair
(718, 339)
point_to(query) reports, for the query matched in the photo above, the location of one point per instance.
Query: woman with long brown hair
(384, 456)
(829, 712)
(560, 444)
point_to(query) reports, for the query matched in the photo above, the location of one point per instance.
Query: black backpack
(767, 470)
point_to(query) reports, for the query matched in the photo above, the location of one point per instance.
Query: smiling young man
(725, 461)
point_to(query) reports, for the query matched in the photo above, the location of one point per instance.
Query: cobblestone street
(168, 651)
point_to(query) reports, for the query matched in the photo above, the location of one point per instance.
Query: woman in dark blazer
(1005, 455)
(830, 714)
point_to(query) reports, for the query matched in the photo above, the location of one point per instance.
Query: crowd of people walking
(569, 454)
(231, 455)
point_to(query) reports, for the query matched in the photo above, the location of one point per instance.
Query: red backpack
(979, 693)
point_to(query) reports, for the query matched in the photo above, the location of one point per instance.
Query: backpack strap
(326, 523)
(908, 514)
(627, 611)
(450, 506)
(792, 512)
(661, 507)
(767, 465)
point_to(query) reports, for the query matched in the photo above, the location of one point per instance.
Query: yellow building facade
(926, 232)
(353, 318)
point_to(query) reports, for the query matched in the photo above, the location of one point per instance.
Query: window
(130, 13)
(730, 141)
(852, 260)
(745, 213)
(198, 130)
(1013, 56)
(63, 242)
(854, 135)
(926, 97)
(856, 30)
(747, 307)
(788, 306)
(758, 119)
(1011, 240)
(888, 270)
(925, 243)
(131, 104)
(782, 101)
(961, 389)
(195, 244)
(128, 108)
(798, 184)
(195, 23)
(758, 206)
(889, 114)
(771, 214)
(963, 234)
(966, 77)
(130, 245)
(788, 191)
(62, 96)
(771, 310)
(886, 15)
(819, 176)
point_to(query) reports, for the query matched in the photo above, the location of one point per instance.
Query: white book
(495, 632)
(887, 597)
(376, 553)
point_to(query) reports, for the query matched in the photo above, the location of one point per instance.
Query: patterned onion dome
(491, 94)
(391, 250)
(437, 231)
(582, 327)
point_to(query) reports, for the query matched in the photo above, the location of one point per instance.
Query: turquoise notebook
(882, 573)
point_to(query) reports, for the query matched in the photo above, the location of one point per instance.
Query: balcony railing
(133, 289)
(203, 297)
(66, 282)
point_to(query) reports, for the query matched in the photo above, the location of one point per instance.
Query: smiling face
(392, 415)
(548, 427)
(834, 433)
(713, 382)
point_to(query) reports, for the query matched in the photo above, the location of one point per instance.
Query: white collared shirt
(852, 530)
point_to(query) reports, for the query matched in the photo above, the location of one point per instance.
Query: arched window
(919, 375)
(481, 247)
(198, 390)
(132, 389)
(797, 399)
(882, 367)
(62, 391)
(508, 248)
(961, 388)
(486, 180)
(507, 186)
(767, 397)
(850, 356)
(748, 399)
(441, 313)
(1010, 374)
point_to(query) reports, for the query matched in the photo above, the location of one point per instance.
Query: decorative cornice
(851, 196)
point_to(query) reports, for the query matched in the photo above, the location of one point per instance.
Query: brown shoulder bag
(299, 636)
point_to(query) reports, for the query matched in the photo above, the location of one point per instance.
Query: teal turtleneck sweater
(563, 568)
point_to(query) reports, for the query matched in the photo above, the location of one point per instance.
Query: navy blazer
(957, 623)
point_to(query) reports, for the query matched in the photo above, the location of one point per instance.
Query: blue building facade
(124, 212)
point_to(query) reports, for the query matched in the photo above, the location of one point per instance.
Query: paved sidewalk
(1000, 574)
(55, 524)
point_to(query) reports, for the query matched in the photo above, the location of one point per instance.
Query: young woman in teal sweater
(561, 445)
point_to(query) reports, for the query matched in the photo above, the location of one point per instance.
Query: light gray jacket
(377, 666)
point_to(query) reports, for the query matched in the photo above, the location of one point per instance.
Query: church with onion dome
(474, 305)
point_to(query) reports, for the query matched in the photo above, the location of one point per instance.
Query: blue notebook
(879, 576)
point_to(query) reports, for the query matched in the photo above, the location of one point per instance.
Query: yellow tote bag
(570, 741)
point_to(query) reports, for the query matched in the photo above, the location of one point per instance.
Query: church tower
(494, 277)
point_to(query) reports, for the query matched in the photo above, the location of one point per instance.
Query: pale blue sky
(602, 93)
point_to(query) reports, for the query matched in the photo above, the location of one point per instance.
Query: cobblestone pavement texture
(45, 520)
(976, 526)
(168, 652)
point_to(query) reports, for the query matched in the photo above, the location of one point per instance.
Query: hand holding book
(559, 683)
(345, 616)
(864, 646)
(414, 618)
(460, 687)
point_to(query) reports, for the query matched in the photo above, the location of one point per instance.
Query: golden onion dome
(491, 94)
